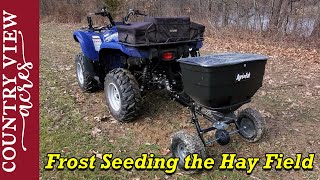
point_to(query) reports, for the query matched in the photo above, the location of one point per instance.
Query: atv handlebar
(132, 12)
(104, 13)
(136, 12)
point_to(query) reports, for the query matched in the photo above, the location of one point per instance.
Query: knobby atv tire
(259, 124)
(87, 83)
(130, 96)
(190, 144)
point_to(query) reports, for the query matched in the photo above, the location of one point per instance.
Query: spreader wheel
(251, 125)
(184, 144)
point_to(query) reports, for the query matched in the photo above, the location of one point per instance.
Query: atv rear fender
(129, 51)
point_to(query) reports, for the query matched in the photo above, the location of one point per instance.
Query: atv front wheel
(184, 144)
(122, 95)
(251, 125)
(85, 74)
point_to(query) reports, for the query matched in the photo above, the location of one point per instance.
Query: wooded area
(281, 17)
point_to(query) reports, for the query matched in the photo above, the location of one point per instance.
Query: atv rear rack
(168, 42)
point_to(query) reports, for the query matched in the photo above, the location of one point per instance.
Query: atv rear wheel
(123, 96)
(251, 125)
(85, 74)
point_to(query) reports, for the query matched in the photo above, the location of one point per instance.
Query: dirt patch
(289, 99)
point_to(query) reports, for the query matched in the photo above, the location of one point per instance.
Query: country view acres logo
(16, 96)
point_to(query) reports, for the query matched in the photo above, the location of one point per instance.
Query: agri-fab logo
(16, 85)
(173, 30)
(243, 76)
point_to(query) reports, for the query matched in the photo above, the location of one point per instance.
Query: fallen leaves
(164, 151)
(287, 70)
(65, 150)
(114, 121)
(97, 118)
(266, 114)
(95, 131)
(308, 56)
(98, 155)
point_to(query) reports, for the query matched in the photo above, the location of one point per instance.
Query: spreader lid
(223, 59)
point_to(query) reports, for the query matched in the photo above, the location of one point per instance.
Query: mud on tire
(123, 96)
(184, 144)
(85, 74)
(251, 125)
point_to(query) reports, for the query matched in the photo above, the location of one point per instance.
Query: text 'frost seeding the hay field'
(192, 162)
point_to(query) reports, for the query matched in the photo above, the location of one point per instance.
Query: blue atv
(129, 59)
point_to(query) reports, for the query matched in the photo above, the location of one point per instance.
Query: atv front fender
(84, 38)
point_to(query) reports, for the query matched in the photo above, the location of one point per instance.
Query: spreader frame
(215, 119)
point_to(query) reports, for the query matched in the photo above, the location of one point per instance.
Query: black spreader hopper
(223, 82)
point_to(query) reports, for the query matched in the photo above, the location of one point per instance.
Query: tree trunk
(284, 14)
(276, 9)
(316, 27)
(225, 19)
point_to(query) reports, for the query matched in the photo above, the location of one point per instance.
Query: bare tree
(278, 16)
(316, 29)
(275, 13)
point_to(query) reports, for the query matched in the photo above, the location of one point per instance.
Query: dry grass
(289, 99)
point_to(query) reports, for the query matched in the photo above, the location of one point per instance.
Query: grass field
(78, 124)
